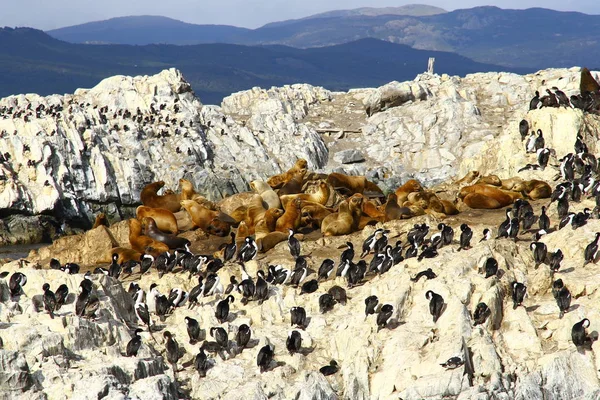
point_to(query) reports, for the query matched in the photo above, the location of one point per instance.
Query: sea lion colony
(292, 206)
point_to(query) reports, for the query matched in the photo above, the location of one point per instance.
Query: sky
(51, 14)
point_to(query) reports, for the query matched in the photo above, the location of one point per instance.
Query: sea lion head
(217, 227)
(301, 164)
(413, 185)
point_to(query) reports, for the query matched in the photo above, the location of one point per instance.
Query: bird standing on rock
(49, 300)
(436, 304)
(293, 244)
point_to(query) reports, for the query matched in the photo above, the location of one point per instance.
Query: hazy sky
(50, 14)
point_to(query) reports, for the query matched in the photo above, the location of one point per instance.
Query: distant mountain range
(533, 38)
(33, 62)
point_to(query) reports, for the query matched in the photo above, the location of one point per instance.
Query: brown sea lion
(587, 82)
(267, 239)
(371, 210)
(151, 229)
(480, 201)
(239, 214)
(320, 196)
(534, 189)
(393, 211)
(493, 180)
(267, 193)
(140, 242)
(314, 213)
(187, 190)
(124, 254)
(212, 222)
(346, 220)
(255, 210)
(503, 197)
(291, 217)
(449, 207)
(165, 220)
(100, 220)
(151, 198)
(510, 183)
(468, 178)
(270, 218)
(278, 181)
(346, 184)
(242, 233)
(409, 186)
(294, 185)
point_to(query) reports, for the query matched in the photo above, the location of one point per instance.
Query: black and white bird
(222, 310)
(193, 329)
(466, 234)
(428, 273)
(87, 302)
(369, 243)
(487, 235)
(212, 285)
(201, 363)
(230, 249)
(453, 363)
(562, 98)
(49, 300)
(326, 303)
(540, 250)
(326, 269)
(248, 251)
(133, 346)
(562, 295)
(298, 276)
(243, 336)
(330, 369)
(539, 143)
(310, 286)
(530, 143)
(436, 304)
(178, 297)
(293, 244)
(233, 285)
(61, 296)
(578, 334)
(481, 313)
(534, 103)
(543, 156)
(221, 337)
(371, 304)
(264, 357)
(518, 293)
(114, 269)
(544, 221)
(16, 282)
(195, 293)
(591, 251)
(293, 342)
(490, 267)
(298, 317)
(261, 292)
(384, 315)
(555, 260)
(348, 254)
(503, 229)
(172, 349)
(382, 242)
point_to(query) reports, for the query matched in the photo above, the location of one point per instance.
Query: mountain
(533, 38)
(32, 61)
(146, 29)
(414, 10)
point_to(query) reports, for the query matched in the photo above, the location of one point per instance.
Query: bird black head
(429, 295)
(46, 287)
(167, 335)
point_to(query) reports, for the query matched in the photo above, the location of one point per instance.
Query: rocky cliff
(435, 129)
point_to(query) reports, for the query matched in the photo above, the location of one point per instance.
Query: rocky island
(399, 173)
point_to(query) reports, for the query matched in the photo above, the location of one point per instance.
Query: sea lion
(267, 193)
(212, 222)
(480, 201)
(346, 220)
(187, 190)
(294, 185)
(510, 183)
(165, 220)
(291, 217)
(493, 180)
(534, 189)
(468, 178)
(267, 239)
(270, 218)
(503, 197)
(409, 186)
(393, 211)
(369, 209)
(255, 210)
(140, 242)
(124, 254)
(152, 230)
(449, 207)
(314, 213)
(151, 198)
(320, 196)
(239, 214)
(278, 181)
(100, 220)
(346, 184)
(587, 82)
